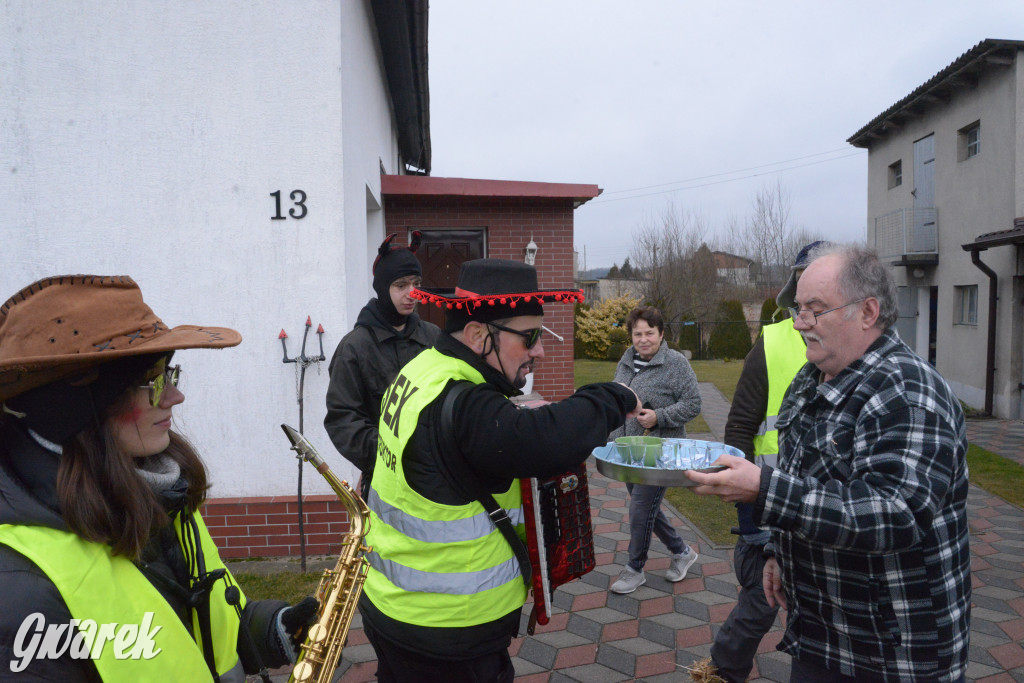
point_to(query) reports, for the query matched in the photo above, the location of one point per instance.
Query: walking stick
(302, 362)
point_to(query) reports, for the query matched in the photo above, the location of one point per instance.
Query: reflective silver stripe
(235, 674)
(437, 531)
(453, 583)
(770, 459)
(768, 425)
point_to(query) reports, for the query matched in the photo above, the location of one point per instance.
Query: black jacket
(366, 361)
(28, 476)
(497, 442)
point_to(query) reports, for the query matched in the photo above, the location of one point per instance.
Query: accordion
(559, 535)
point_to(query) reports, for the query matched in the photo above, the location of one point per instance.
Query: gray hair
(863, 276)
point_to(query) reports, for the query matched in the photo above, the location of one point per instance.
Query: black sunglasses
(530, 337)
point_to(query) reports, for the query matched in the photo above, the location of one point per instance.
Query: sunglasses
(530, 337)
(157, 385)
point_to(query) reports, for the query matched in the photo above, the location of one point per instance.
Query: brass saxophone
(339, 588)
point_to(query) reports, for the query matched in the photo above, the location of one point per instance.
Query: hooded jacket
(366, 361)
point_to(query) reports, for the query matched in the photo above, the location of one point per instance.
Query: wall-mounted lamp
(918, 273)
(531, 251)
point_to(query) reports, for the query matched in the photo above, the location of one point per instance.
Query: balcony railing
(907, 232)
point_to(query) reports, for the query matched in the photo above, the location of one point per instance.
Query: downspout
(990, 359)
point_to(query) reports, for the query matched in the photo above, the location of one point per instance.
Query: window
(966, 305)
(896, 174)
(969, 141)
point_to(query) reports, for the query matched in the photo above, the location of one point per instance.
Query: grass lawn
(723, 374)
(288, 586)
(996, 474)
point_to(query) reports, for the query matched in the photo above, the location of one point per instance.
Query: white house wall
(975, 196)
(145, 139)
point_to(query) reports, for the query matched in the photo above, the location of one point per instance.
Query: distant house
(602, 289)
(732, 268)
(945, 201)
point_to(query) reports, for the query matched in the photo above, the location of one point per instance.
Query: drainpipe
(990, 360)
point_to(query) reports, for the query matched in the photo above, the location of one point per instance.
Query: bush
(731, 336)
(688, 338)
(595, 326)
(768, 309)
(619, 335)
(578, 347)
(615, 352)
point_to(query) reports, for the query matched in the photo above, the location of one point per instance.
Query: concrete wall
(973, 196)
(145, 139)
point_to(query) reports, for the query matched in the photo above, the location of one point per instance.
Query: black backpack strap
(471, 487)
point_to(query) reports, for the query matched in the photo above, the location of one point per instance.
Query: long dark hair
(104, 499)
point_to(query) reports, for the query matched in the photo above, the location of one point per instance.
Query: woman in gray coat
(667, 386)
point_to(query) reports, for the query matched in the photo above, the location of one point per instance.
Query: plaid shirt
(868, 509)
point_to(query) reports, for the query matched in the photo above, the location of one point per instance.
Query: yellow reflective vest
(101, 588)
(784, 354)
(434, 564)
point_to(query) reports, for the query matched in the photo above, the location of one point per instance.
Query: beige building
(596, 291)
(945, 201)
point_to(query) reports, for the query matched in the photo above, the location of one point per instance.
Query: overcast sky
(696, 105)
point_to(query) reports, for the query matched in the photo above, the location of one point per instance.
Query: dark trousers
(396, 664)
(737, 641)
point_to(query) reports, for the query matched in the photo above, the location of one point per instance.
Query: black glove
(298, 618)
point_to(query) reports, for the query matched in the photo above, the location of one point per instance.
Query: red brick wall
(269, 526)
(509, 224)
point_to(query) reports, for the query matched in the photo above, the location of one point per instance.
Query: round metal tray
(648, 475)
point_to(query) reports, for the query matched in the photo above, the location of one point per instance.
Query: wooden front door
(441, 254)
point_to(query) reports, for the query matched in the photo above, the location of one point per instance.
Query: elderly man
(868, 503)
(445, 588)
(777, 355)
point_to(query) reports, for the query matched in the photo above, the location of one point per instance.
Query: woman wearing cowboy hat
(99, 501)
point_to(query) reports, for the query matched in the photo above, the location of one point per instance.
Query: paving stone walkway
(656, 632)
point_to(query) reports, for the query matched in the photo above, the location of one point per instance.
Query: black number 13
(298, 198)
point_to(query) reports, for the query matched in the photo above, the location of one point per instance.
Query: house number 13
(298, 209)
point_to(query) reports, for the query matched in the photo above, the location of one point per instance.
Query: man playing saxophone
(444, 591)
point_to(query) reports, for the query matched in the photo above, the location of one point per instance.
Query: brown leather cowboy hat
(64, 324)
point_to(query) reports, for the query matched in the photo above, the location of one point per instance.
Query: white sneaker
(680, 563)
(628, 581)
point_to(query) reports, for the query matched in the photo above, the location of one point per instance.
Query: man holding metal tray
(868, 503)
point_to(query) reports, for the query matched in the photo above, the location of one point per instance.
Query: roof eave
(939, 88)
(402, 34)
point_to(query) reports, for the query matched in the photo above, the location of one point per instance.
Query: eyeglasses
(530, 337)
(157, 385)
(810, 318)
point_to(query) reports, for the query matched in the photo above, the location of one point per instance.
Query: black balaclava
(393, 263)
(59, 410)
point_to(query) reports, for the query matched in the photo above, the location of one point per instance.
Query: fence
(701, 343)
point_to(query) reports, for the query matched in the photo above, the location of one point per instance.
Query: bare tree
(663, 251)
(769, 238)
